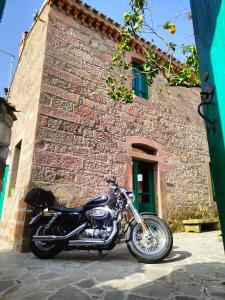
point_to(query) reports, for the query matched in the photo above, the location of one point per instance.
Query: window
(139, 82)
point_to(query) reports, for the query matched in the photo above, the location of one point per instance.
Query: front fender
(142, 214)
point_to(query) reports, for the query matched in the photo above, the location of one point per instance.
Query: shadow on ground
(121, 255)
(84, 276)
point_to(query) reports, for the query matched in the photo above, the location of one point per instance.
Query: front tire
(44, 250)
(150, 248)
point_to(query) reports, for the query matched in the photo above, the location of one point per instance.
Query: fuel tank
(99, 201)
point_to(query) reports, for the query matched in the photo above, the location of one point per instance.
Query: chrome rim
(40, 244)
(152, 242)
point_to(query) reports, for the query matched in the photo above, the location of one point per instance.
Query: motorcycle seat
(64, 209)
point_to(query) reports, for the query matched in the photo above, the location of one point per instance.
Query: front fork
(136, 214)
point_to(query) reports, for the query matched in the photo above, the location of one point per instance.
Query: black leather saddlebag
(40, 198)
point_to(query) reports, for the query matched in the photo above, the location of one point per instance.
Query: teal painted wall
(209, 29)
(2, 194)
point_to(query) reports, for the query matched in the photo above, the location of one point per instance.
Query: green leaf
(167, 25)
(172, 46)
(189, 15)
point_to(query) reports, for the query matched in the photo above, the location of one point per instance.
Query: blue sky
(18, 17)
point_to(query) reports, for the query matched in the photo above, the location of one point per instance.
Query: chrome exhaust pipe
(50, 238)
(95, 242)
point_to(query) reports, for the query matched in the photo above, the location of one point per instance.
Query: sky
(18, 17)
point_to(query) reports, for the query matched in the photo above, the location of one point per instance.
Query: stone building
(69, 134)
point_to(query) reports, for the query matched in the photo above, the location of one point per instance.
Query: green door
(144, 186)
(2, 194)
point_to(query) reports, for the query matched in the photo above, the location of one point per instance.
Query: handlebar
(111, 180)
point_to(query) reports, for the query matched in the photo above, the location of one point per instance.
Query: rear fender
(37, 218)
(133, 219)
(34, 220)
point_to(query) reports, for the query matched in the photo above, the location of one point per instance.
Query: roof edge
(98, 21)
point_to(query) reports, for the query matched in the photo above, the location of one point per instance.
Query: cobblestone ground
(194, 270)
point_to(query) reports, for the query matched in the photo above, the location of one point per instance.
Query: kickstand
(101, 254)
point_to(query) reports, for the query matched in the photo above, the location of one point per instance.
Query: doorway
(2, 193)
(144, 186)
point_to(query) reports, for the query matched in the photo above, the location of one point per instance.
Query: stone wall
(24, 94)
(81, 133)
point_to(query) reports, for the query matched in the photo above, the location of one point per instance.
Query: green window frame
(139, 82)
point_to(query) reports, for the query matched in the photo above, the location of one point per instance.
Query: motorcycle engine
(101, 221)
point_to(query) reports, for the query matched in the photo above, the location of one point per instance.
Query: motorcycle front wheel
(152, 246)
(44, 250)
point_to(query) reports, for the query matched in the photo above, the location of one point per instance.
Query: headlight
(131, 196)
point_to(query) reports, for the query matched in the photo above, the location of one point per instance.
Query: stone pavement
(194, 270)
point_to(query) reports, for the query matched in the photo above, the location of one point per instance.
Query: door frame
(157, 159)
(160, 167)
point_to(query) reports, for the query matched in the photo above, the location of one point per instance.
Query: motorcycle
(98, 225)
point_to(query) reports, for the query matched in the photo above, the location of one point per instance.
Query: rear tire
(140, 248)
(44, 250)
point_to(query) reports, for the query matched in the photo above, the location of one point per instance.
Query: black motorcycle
(98, 225)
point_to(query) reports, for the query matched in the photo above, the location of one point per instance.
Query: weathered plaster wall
(25, 94)
(6, 122)
(81, 133)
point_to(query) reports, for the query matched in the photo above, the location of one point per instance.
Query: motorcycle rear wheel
(44, 250)
(153, 247)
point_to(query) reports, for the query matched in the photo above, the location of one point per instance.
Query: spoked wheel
(44, 249)
(152, 246)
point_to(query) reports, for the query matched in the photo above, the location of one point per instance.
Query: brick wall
(24, 94)
(81, 133)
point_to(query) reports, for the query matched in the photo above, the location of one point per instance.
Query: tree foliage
(186, 74)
